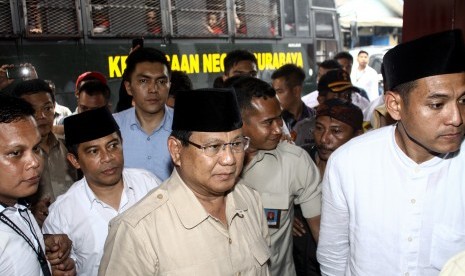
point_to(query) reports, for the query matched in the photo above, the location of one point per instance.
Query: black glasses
(239, 145)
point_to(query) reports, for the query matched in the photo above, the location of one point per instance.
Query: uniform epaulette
(152, 201)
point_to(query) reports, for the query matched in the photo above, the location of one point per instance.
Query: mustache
(323, 147)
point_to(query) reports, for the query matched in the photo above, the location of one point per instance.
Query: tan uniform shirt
(284, 176)
(58, 174)
(169, 233)
(455, 266)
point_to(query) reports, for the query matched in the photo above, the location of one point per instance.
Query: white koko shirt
(384, 214)
(84, 218)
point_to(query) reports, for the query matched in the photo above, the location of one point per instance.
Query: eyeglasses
(237, 146)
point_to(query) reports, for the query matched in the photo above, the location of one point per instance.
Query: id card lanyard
(39, 251)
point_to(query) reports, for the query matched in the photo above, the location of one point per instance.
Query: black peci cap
(206, 110)
(89, 125)
(431, 55)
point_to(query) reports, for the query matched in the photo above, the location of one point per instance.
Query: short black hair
(330, 64)
(179, 81)
(345, 55)
(182, 135)
(293, 75)
(34, 86)
(142, 55)
(362, 52)
(233, 57)
(95, 87)
(247, 88)
(13, 109)
(404, 90)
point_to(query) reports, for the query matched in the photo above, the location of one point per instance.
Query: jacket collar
(190, 212)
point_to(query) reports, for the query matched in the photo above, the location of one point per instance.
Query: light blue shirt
(146, 151)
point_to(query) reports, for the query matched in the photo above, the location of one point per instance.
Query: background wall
(425, 17)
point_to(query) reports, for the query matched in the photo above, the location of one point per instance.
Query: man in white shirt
(22, 247)
(393, 199)
(84, 211)
(365, 77)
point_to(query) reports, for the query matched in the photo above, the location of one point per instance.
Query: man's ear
(127, 85)
(320, 99)
(175, 147)
(73, 160)
(393, 102)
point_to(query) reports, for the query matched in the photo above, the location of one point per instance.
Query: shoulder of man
(250, 196)
(138, 173)
(365, 146)
(169, 113)
(122, 116)
(371, 69)
(288, 148)
(242, 188)
(147, 205)
(75, 193)
(169, 110)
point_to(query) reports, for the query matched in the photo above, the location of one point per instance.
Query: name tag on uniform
(273, 217)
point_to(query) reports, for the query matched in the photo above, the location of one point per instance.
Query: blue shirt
(145, 151)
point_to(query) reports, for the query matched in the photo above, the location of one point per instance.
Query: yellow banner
(210, 62)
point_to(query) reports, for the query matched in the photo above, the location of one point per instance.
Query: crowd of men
(246, 178)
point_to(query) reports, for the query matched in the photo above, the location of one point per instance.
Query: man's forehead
(100, 141)
(261, 102)
(245, 64)
(143, 65)
(329, 121)
(26, 125)
(36, 94)
(217, 135)
(344, 60)
(265, 109)
(279, 82)
(444, 83)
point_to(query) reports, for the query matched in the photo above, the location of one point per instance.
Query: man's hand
(298, 228)
(4, 81)
(67, 268)
(40, 210)
(57, 248)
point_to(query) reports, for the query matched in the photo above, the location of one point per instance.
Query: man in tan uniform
(199, 221)
(58, 174)
(282, 173)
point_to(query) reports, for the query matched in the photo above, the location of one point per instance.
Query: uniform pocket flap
(260, 251)
(275, 201)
